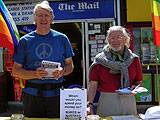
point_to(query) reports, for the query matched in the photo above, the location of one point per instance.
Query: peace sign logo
(44, 50)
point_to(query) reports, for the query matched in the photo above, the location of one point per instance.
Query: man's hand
(58, 73)
(41, 73)
(90, 110)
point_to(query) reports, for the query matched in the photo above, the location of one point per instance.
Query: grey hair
(124, 32)
(44, 5)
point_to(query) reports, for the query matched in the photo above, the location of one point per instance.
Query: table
(8, 118)
(127, 117)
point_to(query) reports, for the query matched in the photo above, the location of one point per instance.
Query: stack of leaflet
(137, 89)
(50, 67)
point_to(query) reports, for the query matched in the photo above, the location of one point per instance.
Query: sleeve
(93, 73)
(19, 54)
(68, 48)
(139, 75)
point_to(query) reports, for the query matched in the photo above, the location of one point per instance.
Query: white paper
(152, 113)
(99, 41)
(50, 67)
(137, 89)
(124, 90)
(73, 104)
(93, 46)
(92, 42)
(93, 50)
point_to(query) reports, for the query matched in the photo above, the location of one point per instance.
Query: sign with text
(22, 13)
(83, 9)
(73, 104)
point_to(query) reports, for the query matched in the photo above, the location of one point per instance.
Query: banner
(22, 13)
(156, 21)
(8, 33)
(83, 9)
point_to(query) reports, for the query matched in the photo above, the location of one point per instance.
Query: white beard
(116, 49)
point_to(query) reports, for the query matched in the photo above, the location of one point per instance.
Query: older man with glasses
(114, 69)
(41, 95)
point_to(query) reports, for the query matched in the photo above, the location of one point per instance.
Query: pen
(136, 88)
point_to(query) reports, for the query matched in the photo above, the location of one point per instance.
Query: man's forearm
(92, 91)
(68, 69)
(24, 74)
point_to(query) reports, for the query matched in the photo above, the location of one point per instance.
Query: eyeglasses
(43, 15)
(118, 37)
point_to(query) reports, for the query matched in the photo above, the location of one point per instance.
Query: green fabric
(117, 56)
(157, 1)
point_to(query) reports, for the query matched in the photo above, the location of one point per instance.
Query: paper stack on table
(125, 117)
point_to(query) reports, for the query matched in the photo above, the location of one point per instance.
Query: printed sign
(83, 9)
(73, 104)
(22, 13)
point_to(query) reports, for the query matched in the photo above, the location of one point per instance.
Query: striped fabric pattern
(156, 21)
(9, 35)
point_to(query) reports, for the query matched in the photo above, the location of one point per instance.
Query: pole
(157, 74)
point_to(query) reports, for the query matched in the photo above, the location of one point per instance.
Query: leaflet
(137, 89)
(50, 67)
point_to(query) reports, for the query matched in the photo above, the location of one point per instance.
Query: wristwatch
(89, 104)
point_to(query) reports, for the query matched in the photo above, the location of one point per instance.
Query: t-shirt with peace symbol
(33, 48)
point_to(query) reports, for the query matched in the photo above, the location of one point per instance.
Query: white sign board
(73, 104)
(22, 13)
